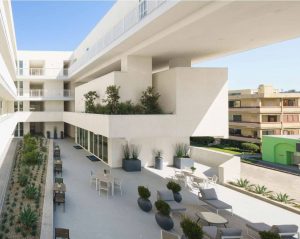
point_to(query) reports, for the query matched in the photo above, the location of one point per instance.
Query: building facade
(137, 44)
(283, 149)
(265, 111)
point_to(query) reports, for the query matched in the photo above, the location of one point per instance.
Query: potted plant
(143, 201)
(181, 158)
(269, 235)
(55, 132)
(162, 217)
(193, 169)
(158, 159)
(130, 162)
(191, 229)
(175, 188)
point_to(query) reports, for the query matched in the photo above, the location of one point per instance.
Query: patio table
(211, 218)
(105, 178)
(59, 187)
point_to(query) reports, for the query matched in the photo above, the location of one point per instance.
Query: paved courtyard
(90, 216)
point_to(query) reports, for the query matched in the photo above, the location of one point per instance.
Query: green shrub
(149, 101)
(126, 152)
(144, 192)
(243, 183)
(181, 150)
(191, 229)
(163, 207)
(23, 179)
(202, 141)
(31, 158)
(175, 187)
(282, 197)
(269, 235)
(259, 189)
(250, 147)
(31, 192)
(28, 218)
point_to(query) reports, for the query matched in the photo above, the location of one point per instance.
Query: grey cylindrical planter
(159, 163)
(144, 204)
(165, 222)
(177, 197)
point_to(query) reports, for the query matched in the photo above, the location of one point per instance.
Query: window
(234, 104)
(142, 8)
(19, 130)
(20, 67)
(96, 144)
(237, 118)
(233, 132)
(272, 118)
(290, 102)
(290, 118)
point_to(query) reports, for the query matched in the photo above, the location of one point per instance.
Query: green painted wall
(278, 149)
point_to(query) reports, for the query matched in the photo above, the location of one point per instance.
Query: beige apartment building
(264, 111)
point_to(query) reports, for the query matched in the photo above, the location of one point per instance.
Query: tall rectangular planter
(183, 163)
(131, 165)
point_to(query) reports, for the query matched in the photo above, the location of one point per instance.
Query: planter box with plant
(158, 159)
(191, 229)
(130, 162)
(162, 217)
(181, 158)
(175, 188)
(143, 201)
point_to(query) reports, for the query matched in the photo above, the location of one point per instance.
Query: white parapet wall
(228, 166)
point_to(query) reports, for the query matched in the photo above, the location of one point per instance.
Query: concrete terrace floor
(90, 216)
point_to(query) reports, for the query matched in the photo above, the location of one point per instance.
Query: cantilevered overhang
(201, 30)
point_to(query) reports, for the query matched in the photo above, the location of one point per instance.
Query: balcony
(43, 94)
(42, 72)
(247, 138)
(143, 9)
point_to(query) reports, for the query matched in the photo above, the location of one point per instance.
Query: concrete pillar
(179, 62)
(138, 77)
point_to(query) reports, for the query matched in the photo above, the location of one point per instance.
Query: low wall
(47, 217)
(228, 166)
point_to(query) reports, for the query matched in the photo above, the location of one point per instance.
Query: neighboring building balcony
(251, 124)
(245, 138)
(42, 73)
(42, 94)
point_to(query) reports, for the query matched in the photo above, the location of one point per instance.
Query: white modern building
(136, 45)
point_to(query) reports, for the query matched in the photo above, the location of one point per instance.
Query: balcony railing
(143, 9)
(45, 93)
(47, 72)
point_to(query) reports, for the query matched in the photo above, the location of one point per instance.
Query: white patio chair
(179, 177)
(107, 171)
(118, 185)
(212, 180)
(103, 186)
(92, 177)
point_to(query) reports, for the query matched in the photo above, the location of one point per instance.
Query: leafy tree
(149, 101)
(90, 98)
(112, 99)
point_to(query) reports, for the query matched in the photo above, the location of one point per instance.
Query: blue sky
(277, 64)
(62, 25)
(55, 25)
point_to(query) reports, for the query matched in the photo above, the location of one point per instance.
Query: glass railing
(143, 9)
(47, 72)
(45, 93)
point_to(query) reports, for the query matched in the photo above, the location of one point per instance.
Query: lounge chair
(212, 232)
(168, 235)
(284, 231)
(209, 196)
(168, 197)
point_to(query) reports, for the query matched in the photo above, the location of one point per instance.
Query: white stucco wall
(228, 166)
